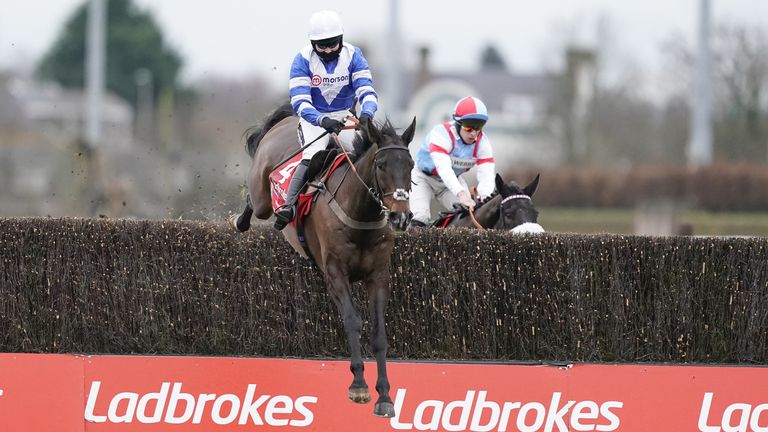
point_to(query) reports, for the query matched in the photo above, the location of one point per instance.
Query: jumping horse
(348, 233)
(509, 208)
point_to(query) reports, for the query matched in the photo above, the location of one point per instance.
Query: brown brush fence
(178, 287)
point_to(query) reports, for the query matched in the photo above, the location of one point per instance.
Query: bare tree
(621, 123)
(740, 66)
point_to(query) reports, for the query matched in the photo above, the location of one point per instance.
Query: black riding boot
(287, 211)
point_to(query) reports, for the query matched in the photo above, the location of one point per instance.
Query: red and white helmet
(470, 108)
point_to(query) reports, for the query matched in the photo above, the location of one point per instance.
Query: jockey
(449, 150)
(326, 77)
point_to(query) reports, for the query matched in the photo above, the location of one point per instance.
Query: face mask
(328, 56)
(324, 53)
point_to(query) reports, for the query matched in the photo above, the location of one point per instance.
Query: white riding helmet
(324, 25)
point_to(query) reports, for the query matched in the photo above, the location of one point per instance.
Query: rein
(354, 124)
(374, 192)
(501, 210)
(474, 221)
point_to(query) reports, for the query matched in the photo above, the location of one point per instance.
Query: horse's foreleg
(378, 296)
(243, 222)
(340, 289)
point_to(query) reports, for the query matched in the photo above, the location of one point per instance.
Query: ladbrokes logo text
(174, 406)
(479, 414)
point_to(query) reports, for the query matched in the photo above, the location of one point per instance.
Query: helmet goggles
(330, 43)
(471, 125)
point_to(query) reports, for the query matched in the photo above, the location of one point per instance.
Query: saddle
(322, 164)
(445, 217)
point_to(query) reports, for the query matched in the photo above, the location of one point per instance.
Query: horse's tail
(254, 134)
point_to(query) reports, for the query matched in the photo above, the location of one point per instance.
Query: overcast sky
(240, 38)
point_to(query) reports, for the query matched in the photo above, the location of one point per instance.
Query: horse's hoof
(384, 409)
(359, 395)
(234, 222)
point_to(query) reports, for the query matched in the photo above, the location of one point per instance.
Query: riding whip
(301, 149)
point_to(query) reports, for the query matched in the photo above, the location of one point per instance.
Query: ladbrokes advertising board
(112, 393)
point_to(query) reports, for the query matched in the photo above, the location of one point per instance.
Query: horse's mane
(512, 185)
(362, 145)
(254, 134)
(486, 200)
(463, 211)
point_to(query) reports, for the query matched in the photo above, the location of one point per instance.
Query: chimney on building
(423, 75)
(579, 90)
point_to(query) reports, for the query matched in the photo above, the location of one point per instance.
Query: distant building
(47, 107)
(536, 118)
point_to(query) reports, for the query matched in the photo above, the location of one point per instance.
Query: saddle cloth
(280, 178)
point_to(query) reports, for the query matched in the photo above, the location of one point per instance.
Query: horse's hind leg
(378, 296)
(339, 287)
(243, 222)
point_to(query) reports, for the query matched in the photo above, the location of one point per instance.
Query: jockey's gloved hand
(466, 200)
(364, 117)
(331, 125)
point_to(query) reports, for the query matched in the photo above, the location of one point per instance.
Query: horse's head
(391, 171)
(516, 207)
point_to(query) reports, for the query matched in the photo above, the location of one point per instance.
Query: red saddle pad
(279, 180)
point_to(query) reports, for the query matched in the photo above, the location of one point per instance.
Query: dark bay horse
(347, 233)
(510, 207)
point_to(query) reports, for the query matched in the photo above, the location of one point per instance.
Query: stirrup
(283, 216)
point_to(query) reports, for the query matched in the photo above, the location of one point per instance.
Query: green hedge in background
(179, 287)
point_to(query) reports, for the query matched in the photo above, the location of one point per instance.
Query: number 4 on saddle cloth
(321, 166)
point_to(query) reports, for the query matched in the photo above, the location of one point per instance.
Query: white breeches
(424, 188)
(310, 132)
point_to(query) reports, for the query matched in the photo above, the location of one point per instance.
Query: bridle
(504, 201)
(399, 194)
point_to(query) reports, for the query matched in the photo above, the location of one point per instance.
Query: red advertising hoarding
(127, 393)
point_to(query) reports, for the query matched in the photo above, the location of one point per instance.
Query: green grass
(621, 221)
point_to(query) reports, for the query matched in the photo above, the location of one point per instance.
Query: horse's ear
(531, 188)
(407, 135)
(369, 131)
(499, 183)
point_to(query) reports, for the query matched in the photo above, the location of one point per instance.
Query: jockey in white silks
(449, 150)
(326, 77)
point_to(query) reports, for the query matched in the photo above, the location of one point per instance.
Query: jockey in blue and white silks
(321, 88)
(449, 150)
(326, 77)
